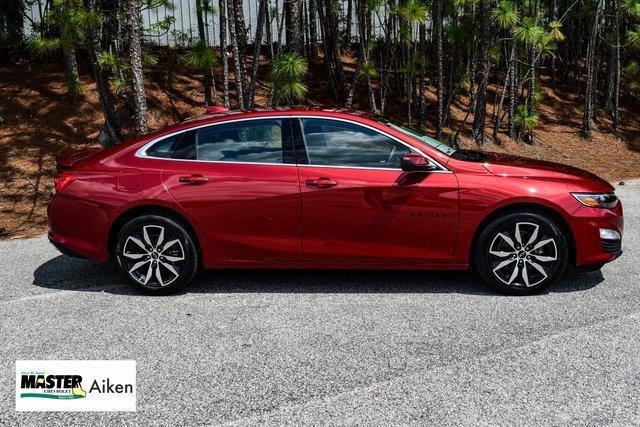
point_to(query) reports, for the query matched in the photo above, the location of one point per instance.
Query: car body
(306, 196)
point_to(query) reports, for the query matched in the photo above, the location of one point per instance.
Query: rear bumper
(75, 228)
(65, 250)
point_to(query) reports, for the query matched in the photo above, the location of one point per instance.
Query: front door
(358, 205)
(239, 182)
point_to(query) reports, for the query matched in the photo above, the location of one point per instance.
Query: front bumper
(591, 249)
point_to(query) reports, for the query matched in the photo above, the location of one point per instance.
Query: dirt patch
(39, 122)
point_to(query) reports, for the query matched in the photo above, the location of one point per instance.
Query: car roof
(222, 113)
(220, 116)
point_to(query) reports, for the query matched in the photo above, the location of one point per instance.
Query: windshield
(425, 139)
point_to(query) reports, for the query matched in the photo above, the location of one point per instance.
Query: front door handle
(321, 182)
(195, 179)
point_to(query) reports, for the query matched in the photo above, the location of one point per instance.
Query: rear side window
(164, 148)
(250, 141)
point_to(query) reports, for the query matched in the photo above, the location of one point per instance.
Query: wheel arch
(533, 207)
(150, 209)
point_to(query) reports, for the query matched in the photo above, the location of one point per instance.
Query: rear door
(358, 205)
(239, 181)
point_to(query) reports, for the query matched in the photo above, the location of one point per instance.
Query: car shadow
(72, 274)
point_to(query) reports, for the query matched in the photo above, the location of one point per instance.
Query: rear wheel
(157, 254)
(521, 253)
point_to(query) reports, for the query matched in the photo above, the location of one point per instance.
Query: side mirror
(416, 163)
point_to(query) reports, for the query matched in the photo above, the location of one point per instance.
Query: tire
(521, 253)
(157, 254)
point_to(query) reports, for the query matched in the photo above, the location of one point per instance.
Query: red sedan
(326, 189)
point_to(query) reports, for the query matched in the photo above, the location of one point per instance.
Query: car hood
(516, 166)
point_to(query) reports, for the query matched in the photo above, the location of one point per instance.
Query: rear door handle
(195, 179)
(321, 182)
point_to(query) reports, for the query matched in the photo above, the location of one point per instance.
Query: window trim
(141, 152)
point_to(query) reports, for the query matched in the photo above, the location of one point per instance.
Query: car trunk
(71, 158)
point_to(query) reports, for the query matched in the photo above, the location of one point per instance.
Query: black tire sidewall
(191, 253)
(481, 251)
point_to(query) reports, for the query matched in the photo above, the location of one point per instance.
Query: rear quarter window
(165, 147)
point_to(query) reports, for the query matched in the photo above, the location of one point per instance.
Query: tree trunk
(71, 70)
(590, 86)
(370, 93)
(513, 71)
(304, 25)
(293, 30)
(385, 61)
(268, 29)
(613, 83)
(207, 75)
(135, 55)
(365, 40)
(237, 60)
(501, 93)
(262, 11)
(313, 29)
(422, 75)
(332, 61)
(440, 68)
(482, 72)
(347, 30)
(242, 34)
(530, 100)
(112, 125)
(451, 92)
(333, 40)
(280, 28)
(497, 106)
(352, 90)
(554, 17)
(223, 52)
(532, 81)
(12, 20)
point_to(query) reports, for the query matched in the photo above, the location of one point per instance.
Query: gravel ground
(253, 347)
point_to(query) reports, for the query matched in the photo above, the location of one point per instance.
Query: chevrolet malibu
(326, 189)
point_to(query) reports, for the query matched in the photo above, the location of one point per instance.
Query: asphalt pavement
(334, 347)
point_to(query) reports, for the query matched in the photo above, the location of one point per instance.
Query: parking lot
(245, 347)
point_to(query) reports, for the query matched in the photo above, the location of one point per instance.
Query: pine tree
(135, 55)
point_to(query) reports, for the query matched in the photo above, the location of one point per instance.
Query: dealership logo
(52, 386)
(75, 385)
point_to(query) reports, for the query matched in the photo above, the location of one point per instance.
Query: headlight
(595, 200)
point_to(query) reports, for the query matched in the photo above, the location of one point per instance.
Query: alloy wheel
(153, 256)
(523, 256)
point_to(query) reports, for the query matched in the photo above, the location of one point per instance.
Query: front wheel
(521, 253)
(157, 254)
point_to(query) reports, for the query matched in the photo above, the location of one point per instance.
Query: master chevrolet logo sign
(75, 385)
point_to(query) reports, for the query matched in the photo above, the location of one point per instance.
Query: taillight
(62, 180)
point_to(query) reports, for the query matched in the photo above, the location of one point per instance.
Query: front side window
(337, 143)
(249, 141)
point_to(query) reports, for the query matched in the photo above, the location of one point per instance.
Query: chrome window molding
(142, 151)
